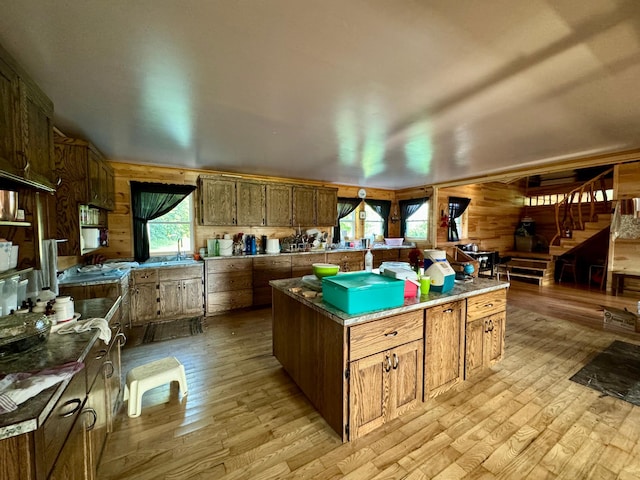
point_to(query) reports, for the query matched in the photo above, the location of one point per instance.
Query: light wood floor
(244, 418)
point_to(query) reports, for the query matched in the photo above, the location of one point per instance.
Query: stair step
(519, 269)
(525, 277)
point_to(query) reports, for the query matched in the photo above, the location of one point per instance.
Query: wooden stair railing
(576, 198)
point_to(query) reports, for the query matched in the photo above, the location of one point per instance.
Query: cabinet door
(250, 203)
(327, 207)
(37, 111)
(95, 170)
(9, 121)
(474, 347)
(304, 206)
(105, 176)
(494, 338)
(144, 303)
(170, 298)
(444, 337)
(369, 393)
(405, 377)
(95, 417)
(217, 201)
(110, 195)
(192, 300)
(73, 463)
(279, 202)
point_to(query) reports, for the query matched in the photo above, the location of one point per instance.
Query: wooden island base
(361, 371)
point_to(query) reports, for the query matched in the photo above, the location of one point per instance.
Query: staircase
(528, 267)
(578, 237)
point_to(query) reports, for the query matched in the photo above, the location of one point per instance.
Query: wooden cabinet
(486, 318)
(217, 200)
(225, 201)
(26, 121)
(266, 269)
(348, 261)
(384, 255)
(326, 206)
(180, 291)
(229, 284)
(279, 205)
(250, 203)
(301, 265)
(144, 296)
(170, 292)
(304, 206)
(314, 206)
(444, 347)
(384, 383)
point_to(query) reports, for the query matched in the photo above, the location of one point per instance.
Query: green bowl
(325, 269)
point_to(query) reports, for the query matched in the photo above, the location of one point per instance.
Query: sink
(169, 263)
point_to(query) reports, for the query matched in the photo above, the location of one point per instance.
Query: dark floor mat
(184, 327)
(615, 372)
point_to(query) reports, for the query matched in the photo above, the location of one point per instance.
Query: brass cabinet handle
(448, 310)
(489, 305)
(101, 354)
(95, 418)
(391, 334)
(387, 361)
(122, 338)
(74, 401)
(396, 361)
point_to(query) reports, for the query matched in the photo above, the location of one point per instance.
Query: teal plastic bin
(361, 292)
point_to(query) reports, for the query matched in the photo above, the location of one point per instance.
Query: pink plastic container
(410, 289)
(393, 242)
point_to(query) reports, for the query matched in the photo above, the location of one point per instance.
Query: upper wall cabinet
(26, 128)
(84, 169)
(227, 201)
(326, 206)
(252, 203)
(279, 212)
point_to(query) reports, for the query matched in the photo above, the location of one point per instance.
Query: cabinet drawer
(229, 281)
(94, 360)
(373, 337)
(486, 304)
(340, 257)
(229, 265)
(272, 262)
(308, 259)
(181, 273)
(61, 419)
(146, 275)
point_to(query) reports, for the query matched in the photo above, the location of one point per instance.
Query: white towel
(88, 324)
(49, 265)
(16, 388)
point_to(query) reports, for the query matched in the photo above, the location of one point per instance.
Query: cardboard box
(621, 320)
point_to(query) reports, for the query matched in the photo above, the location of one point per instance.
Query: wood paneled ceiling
(378, 93)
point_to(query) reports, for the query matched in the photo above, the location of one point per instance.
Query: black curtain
(149, 201)
(345, 207)
(408, 208)
(382, 208)
(457, 206)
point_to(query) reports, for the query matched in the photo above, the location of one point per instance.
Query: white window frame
(186, 247)
(426, 206)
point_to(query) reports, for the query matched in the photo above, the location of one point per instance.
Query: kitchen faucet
(179, 256)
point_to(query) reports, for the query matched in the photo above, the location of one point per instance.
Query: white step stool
(151, 375)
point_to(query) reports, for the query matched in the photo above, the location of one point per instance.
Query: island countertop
(459, 292)
(57, 350)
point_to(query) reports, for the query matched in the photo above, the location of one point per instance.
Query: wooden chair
(568, 266)
(502, 268)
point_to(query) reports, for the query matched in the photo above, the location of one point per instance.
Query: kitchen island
(361, 371)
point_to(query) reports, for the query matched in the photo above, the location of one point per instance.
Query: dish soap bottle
(368, 261)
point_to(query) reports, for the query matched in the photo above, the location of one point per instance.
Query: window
(457, 207)
(373, 224)
(416, 225)
(348, 226)
(165, 231)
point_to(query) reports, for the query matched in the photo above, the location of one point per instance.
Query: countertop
(460, 291)
(57, 350)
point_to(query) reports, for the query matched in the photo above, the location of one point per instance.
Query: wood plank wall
(120, 221)
(492, 216)
(624, 254)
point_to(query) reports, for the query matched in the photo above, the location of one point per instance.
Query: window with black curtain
(457, 206)
(382, 208)
(345, 207)
(149, 201)
(408, 208)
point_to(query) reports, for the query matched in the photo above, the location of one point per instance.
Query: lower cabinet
(144, 296)
(229, 284)
(385, 370)
(266, 269)
(485, 329)
(383, 386)
(301, 265)
(348, 261)
(444, 347)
